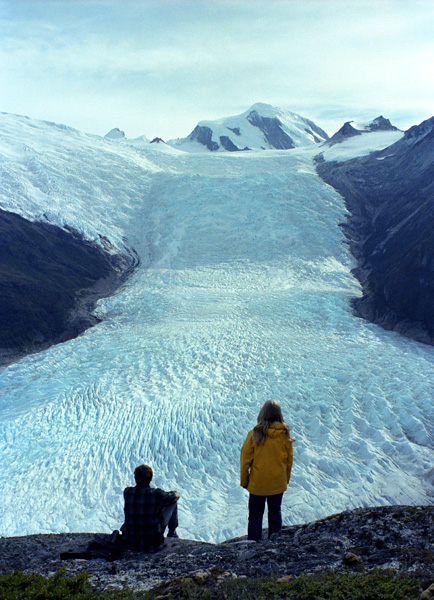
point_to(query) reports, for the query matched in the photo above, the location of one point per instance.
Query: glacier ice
(242, 294)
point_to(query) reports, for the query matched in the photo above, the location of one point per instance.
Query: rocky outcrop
(394, 537)
(50, 280)
(228, 144)
(390, 196)
(349, 129)
(236, 130)
(271, 127)
(203, 135)
(381, 124)
(345, 132)
(276, 137)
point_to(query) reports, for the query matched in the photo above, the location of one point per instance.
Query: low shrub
(17, 586)
(374, 585)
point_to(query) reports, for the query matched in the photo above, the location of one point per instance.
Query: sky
(157, 67)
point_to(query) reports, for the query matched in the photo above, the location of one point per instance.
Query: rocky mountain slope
(350, 129)
(50, 279)
(390, 195)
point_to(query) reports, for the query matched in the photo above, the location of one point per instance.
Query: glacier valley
(242, 294)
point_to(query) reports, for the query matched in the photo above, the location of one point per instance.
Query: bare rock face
(50, 280)
(390, 197)
(272, 130)
(350, 129)
(228, 144)
(345, 132)
(203, 135)
(381, 124)
(399, 538)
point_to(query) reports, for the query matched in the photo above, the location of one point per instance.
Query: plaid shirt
(143, 527)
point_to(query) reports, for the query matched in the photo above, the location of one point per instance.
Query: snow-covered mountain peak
(266, 110)
(115, 134)
(118, 135)
(285, 116)
(261, 127)
(353, 128)
(377, 124)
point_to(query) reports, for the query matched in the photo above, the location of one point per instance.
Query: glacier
(242, 294)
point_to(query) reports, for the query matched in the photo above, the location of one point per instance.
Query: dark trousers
(256, 512)
(170, 517)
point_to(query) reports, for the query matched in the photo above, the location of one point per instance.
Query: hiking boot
(172, 534)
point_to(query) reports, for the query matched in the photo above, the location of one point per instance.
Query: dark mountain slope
(390, 195)
(50, 280)
(349, 129)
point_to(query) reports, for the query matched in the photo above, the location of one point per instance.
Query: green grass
(17, 586)
(373, 585)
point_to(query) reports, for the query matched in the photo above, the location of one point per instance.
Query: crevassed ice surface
(242, 295)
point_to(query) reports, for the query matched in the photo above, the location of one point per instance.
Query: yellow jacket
(266, 468)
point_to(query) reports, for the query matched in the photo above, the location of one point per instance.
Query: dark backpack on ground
(104, 547)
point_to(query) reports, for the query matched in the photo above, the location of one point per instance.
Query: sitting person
(148, 511)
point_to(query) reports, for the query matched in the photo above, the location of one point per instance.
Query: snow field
(242, 295)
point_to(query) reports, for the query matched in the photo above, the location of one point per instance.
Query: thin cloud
(156, 67)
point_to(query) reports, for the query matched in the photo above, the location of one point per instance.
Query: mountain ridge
(260, 127)
(351, 129)
(272, 127)
(390, 196)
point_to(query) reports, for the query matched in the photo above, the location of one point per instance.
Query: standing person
(266, 462)
(148, 511)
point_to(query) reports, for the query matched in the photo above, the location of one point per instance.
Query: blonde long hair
(270, 413)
